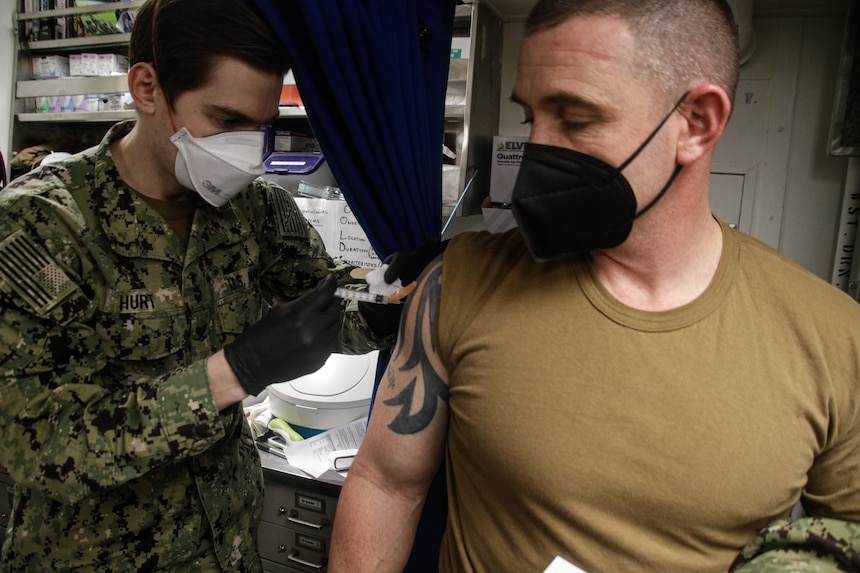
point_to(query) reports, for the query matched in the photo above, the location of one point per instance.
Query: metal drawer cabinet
(302, 551)
(301, 504)
(295, 532)
(272, 567)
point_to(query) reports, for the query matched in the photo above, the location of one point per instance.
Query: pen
(269, 449)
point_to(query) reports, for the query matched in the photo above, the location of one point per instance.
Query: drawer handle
(318, 526)
(294, 557)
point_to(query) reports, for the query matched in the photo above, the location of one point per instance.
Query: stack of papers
(314, 455)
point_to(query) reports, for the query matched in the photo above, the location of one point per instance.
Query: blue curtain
(372, 75)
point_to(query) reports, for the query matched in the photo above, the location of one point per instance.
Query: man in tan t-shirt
(623, 381)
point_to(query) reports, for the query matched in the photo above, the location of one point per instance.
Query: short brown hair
(190, 34)
(677, 41)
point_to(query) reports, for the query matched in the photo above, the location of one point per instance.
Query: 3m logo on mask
(211, 187)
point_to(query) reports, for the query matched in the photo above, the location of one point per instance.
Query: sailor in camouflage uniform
(804, 545)
(121, 413)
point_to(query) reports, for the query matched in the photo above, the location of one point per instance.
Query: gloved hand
(384, 319)
(407, 266)
(291, 340)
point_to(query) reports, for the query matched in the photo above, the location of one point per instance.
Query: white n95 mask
(218, 166)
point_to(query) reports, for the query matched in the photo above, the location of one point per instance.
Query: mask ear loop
(661, 193)
(641, 147)
(155, 62)
(653, 133)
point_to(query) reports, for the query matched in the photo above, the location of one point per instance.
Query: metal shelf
(74, 11)
(82, 42)
(463, 11)
(77, 116)
(91, 116)
(451, 111)
(118, 39)
(455, 111)
(72, 86)
(292, 111)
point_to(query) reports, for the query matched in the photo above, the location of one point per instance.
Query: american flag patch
(29, 270)
(291, 222)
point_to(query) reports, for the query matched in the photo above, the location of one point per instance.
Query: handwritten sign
(845, 274)
(340, 231)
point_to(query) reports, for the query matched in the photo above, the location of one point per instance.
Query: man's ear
(144, 87)
(706, 109)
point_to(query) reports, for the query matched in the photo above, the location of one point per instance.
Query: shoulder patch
(289, 220)
(31, 272)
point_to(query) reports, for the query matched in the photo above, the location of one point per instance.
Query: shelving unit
(470, 126)
(79, 129)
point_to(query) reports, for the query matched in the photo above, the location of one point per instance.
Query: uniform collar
(135, 229)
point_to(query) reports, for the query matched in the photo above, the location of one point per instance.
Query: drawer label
(310, 503)
(311, 543)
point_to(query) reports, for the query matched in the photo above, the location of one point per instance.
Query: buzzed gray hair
(678, 42)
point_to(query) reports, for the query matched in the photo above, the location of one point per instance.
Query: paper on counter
(560, 565)
(312, 454)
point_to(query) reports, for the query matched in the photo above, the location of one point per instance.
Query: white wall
(7, 45)
(797, 188)
(815, 182)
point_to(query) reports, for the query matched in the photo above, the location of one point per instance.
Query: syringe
(361, 295)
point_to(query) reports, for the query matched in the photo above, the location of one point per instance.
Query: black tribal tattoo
(423, 343)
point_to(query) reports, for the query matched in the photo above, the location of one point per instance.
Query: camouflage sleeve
(294, 260)
(71, 425)
(807, 544)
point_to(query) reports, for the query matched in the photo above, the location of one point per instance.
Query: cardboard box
(49, 67)
(84, 64)
(99, 23)
(61, 23)
(505, 165)
(112, 64)
(92, 102)
(66, 103)
(40, 104)
(497, 219)
(110, 102)
(79, 102)
(30, 26)
(289, 141)
(461, 48)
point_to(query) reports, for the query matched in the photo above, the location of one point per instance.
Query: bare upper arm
(406, 434)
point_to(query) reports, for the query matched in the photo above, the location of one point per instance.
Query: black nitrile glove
(292, 340)
(407, 266)
(383, 319)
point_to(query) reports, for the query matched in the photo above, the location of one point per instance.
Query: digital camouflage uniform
(121, 461)
(809, 545)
